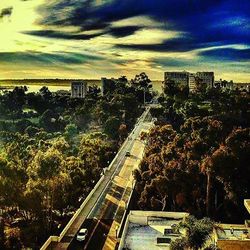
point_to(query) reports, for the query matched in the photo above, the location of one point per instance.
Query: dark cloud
(61, 35)
(6, 12)
(46, 58)
(116, 32)
(205, 22)
(171, 45)
(228, 54)
(123, 31)
(83, 12)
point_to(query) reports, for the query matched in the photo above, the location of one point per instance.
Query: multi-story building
(192, 83)
(78, 89)
(185, 78)
(107, 85)
(180, 78)
(206, 78)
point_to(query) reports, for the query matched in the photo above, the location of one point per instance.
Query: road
(102, 215)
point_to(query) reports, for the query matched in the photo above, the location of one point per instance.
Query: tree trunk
(164, 203)
(209, 194)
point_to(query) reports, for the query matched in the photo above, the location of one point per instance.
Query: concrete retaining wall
(48, 242)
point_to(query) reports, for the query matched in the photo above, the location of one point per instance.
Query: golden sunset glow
(47, 40)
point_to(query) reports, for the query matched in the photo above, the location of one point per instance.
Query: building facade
(206, 78)
(78, 89)
(192, 83)
(107, 85)
(185, 78)
(180, 78)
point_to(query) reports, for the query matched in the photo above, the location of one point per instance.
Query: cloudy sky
(94, 38)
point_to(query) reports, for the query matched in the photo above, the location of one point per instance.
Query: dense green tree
(111, 127)
(70, 131)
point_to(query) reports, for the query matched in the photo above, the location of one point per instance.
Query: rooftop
(234, 232)
(247, 204)
(150, 230)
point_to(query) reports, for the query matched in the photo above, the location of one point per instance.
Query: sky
(91, 39)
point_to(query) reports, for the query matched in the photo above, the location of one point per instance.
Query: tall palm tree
(207, 169)
(197, 233)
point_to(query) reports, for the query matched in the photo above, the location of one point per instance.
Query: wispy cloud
(154, 34)
(46, 59)
(61, 35)
(228, 54)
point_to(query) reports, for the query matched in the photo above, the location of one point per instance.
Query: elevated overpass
(104, 209)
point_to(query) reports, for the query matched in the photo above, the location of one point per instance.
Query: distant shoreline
(51, 82)
(55, 84)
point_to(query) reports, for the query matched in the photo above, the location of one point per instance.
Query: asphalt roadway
(104, 216)
(105, 212)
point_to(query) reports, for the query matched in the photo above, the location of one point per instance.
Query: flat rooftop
(234, 232)
(145, 237)
(247, 204)
(150, 230)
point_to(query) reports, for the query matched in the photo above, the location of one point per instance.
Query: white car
(82, 234)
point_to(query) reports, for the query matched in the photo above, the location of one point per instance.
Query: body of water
(55, 85)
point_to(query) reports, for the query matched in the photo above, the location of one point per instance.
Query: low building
(243, 87)
(223, 84)
(233, 237)
(180, 78)
(78, 89)
(152, 230)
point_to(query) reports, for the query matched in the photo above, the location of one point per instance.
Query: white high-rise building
(78, 89)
